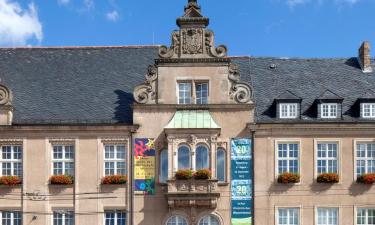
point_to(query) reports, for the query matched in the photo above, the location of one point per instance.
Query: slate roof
(94, 85)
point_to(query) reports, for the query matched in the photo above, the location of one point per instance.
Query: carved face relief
(193, 41)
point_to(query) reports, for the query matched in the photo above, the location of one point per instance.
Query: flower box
(289, 178)
(61, 180)
(10, 181)
(328, 178)
(366, 178)
(203, 174)
(184, 175)
(114, 179)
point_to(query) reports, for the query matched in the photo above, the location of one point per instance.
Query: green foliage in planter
(184, 174)
(10, 180)
(366, 178)
(204, 174)
(289, 178)
(328, 178)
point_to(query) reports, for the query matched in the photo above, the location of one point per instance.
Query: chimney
(6, 108)
(364, 57)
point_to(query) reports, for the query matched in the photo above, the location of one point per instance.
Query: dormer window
(288, 110)
(193, 92)
(368, 110)
(329, 110)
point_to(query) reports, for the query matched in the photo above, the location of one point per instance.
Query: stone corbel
(240, 92)
(146, 92)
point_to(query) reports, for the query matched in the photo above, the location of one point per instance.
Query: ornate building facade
(202, 139)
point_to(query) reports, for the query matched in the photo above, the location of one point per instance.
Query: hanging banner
(242, 181)
(144, 166)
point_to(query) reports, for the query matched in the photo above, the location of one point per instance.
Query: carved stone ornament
(240, 92)
(5, 95)
(193, 40)
(146, 92)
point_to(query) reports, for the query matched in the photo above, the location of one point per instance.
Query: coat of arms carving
(193, 41)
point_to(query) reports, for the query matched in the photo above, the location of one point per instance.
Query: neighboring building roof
(94, 85)
(308, 79)
(192, 119)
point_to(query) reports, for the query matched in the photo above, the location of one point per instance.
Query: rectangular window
(327, 158)
(201, 90)
(365, 158)
(365, 216)
(63, 160)
(115, 218)
(114, 160)
(184, 93)
(328, 216)
(288, 216)
(329, 110)
(368, 110)
(288, 158)
(10, 218)
(11, 160)
(288, 111)
(63, 218)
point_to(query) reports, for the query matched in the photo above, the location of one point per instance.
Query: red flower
(114, 179)
(366, 178)
(328, 178)
(10, 180)
(204, 174)
(61, 180)
(288, 178)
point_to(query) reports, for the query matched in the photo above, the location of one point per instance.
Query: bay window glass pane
(201, 158)
(184, 157)
(163, 177)
(220, 169)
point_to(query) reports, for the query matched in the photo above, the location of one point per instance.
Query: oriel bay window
(220, 165)
(184, 158)
(201, 157)
(163, 168)
(11, 160)
(114, 159)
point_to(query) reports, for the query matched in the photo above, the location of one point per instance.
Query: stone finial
(364, 57)
(6, 109)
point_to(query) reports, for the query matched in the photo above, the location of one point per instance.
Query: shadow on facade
(123, 111)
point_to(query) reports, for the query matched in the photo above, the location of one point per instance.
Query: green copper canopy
(193, 119)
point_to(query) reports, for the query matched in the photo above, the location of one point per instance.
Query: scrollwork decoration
(239, 91)
(174, 50)
(5, 95)
(145, 93)
(220, 51)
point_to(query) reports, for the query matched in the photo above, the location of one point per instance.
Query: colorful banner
(242, 181)
(144, 166)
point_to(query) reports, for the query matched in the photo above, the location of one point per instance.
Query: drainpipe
(131, 176)
(252, 129)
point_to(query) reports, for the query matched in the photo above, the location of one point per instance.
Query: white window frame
(116, 212)
(63, 213)
(289, 113)
(329, 110)
(337, 209)
(357, 209)
(196, 84)
(195, 156)
(12, 160)
(366, 158)
(371, 108)
(115, 160)
(225, 164)
(288, 158)
(63, 160)
(193, 91)
(338, 158)
(12, 216)
(185, 93)
(192, 159)
(288, 208)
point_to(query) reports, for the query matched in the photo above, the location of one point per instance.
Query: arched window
(220, 164)
(209, 220)
(201, 157)
(184, 157)
(177, 220)
(163, 169)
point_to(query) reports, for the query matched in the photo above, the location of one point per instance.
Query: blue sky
(281, 28)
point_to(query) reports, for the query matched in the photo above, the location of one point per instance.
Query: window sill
(4, 186)
(222, 184)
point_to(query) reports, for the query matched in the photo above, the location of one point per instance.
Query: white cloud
(113, 16)
(18, 25)
(63, 2)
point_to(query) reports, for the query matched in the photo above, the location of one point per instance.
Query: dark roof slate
(287, 95)
(329, 95)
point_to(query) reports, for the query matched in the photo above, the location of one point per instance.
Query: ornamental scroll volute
(146, 92)
(6, 109)
(240, 92)
(192, 40)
